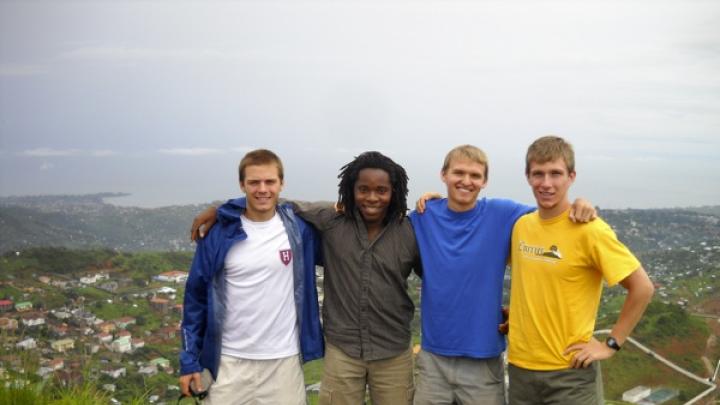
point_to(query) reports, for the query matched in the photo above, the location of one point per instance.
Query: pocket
(206, 380)
(410, 395)
(495, 369)
(325, 397)
(224, 374)
(590, 374)
(580, 377)
(420, 361)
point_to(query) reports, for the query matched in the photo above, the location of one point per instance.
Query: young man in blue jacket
(251, 311)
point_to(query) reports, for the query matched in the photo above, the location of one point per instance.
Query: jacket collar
(231, 211)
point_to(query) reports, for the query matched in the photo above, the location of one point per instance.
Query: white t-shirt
(260, 320)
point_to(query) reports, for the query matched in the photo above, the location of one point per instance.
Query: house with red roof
(6, 305)
(175, 276)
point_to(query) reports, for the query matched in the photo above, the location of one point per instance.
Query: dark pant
(573, 386)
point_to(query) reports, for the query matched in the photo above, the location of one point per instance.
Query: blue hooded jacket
(205, 292)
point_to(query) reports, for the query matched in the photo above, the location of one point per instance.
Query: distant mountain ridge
(665, 229)
(49, 201)
(86, 221)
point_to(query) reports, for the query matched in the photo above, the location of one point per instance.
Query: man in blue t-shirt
(464, 246)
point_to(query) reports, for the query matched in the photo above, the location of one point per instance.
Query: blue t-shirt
(463, 257)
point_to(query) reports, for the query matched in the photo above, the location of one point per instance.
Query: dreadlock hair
(374, 160)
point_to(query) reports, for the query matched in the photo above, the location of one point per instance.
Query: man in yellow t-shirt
(557, 271)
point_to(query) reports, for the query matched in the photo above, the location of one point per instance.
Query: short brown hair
(259, 157)
(549, 148)
(467, 151)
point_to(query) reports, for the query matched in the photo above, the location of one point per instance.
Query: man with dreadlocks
(369, 252)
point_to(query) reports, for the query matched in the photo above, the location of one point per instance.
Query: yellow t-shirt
(557, 272)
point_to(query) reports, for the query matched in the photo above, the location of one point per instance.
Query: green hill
(676, 335)
(87, 222)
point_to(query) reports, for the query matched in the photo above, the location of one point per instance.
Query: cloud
(46, 166)
(124, 53)
(341, 150)
(51, 152)
(647, 159)
(599, 157)
(103, 153)
(46, 152)
(15, 70)
(191, 151)
(242, 149)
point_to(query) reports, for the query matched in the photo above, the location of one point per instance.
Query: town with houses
(60, 340)
(76, 340)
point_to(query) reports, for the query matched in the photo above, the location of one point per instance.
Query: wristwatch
(612, 343)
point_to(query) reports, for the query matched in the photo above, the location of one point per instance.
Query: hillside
(86, 221)
(47, 278)
(664, 229)
(672, 332)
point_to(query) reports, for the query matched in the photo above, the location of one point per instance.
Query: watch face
(612, 343)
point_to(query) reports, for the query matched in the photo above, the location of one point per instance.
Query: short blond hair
(260, 157)
(549, 148)
(469, 152)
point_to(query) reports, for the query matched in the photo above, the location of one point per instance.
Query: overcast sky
(162, 98)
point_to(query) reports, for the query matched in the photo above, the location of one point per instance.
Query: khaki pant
(444, 380)
(345, 378)
(573, 386)
(258, 382)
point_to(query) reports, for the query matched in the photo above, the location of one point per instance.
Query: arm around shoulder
(202, 223)
(513, 209)
(317, 213)
(582, 210)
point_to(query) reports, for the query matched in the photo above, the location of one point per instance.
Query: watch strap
(612, 343)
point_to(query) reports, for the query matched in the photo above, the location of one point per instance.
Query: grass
(25, 395)
(53, 394)
(88, 393)
(85, 394)
(7, 291)
(93, 294)
(115, 310)
(313, 371)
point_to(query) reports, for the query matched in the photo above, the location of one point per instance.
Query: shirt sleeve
(319, 214)
(416, 262)
(611, 256)
(195, 308)
(517, 210)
